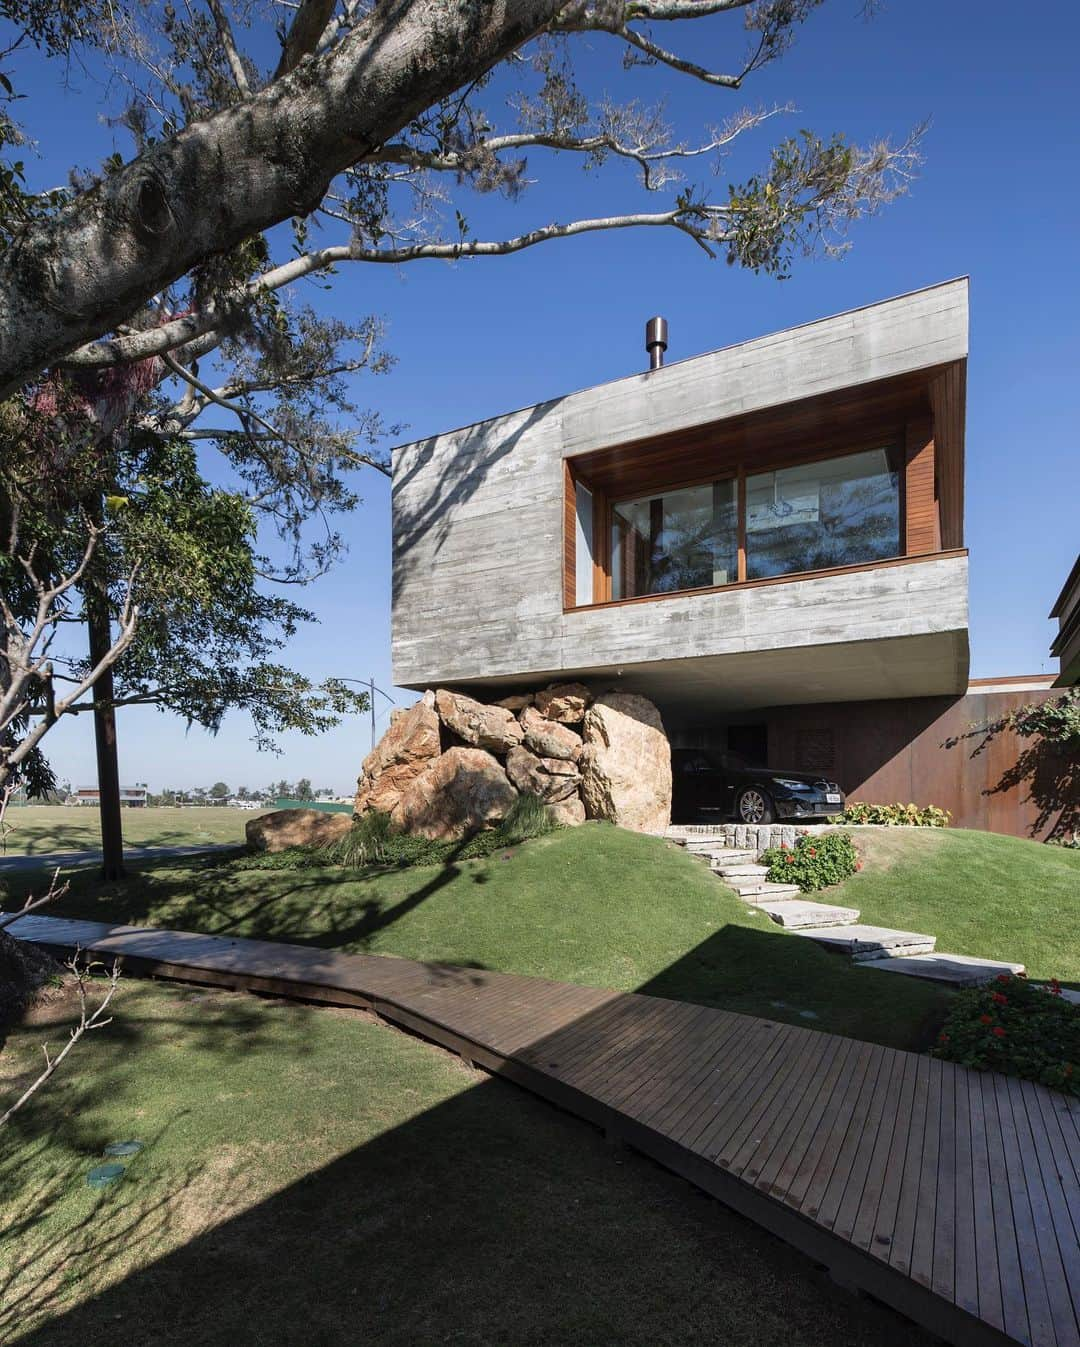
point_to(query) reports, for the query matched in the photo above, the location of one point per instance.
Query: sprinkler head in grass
(123, 1147)
(103, 1175)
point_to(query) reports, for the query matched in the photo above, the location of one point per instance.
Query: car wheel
(754, 806)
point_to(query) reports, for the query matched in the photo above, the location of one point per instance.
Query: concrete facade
(478, 520)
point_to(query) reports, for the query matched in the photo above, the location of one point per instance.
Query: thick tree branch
(75, 276)
(308, 25)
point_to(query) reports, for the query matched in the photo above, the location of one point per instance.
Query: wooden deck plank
(1010, 1274)
(953, 1196)
(843, 1136)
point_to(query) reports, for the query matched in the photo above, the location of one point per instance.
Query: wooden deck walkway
(951, 1195)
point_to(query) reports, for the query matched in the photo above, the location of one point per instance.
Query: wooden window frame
(897, 442)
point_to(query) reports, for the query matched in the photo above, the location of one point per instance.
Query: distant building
(1066, 646)
(133, 797)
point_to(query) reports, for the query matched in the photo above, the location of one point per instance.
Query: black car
(714, 784)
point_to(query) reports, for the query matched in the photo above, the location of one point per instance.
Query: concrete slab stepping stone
(795, 914)
(740, 870)
(870, 942)
(961, 970)
(761, 888)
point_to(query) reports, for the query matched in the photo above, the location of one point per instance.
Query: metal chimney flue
(656, 341)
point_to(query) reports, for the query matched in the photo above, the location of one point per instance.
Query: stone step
(960, 970)
(742, 870)
(723, 853)
(864, 943)
(752, 889)
(798, 915)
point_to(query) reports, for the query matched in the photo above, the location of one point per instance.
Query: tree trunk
(108, 765)
(74, 277)
(99, 633)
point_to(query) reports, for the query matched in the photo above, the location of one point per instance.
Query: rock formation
(618, 767)
(409, 747)
(549, 739)
(461, 792)
(491, 727)
(626, 763)
(564, 702)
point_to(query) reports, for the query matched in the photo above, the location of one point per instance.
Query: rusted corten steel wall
(885, 751)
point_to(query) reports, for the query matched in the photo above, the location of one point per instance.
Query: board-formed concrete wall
(478, 519)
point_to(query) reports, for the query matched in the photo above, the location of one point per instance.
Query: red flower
(998, 1032)
(1000, 999)
(985, 1019)
(858, 865)
(811, 851)
(943, 1037)
(1055, 987)
(783, 846)
(790, 860)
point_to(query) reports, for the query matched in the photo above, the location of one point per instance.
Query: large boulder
(553, 779)
(564, 702)
(568, 812)
(492, 727)
(407, 748)
(286, 828)
(461, 792)
(626, 763)
(549, 739)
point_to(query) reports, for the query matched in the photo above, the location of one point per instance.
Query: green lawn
(37, 830)
(608, 908)
(979, 893)
(594, 905)
(312, 1179)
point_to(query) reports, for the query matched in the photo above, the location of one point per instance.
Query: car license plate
(831, 797)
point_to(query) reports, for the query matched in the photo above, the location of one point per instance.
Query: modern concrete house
(766, 540)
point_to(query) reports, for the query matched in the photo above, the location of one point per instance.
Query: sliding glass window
(684, 539)
(839, 512)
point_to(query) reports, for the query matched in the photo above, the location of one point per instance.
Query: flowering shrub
(813, 862)
(896, 815)
(1018, 1028)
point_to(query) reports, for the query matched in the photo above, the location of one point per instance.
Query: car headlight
(792, 785)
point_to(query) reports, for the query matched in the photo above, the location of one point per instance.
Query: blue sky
(997, 199)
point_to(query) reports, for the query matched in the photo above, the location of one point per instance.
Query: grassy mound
(608, 908)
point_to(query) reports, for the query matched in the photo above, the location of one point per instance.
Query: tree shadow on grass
(489, 1219)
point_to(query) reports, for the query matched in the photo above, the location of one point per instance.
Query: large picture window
(843, 511)
(684, 539)
(839, 512)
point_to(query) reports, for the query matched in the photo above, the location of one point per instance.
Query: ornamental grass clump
(813, 862)
(1016, 1027)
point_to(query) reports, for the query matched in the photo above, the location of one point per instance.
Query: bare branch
(88, 1020)
(53, 894)
(228, 44)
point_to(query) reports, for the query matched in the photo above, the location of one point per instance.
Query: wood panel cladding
(569, 537)
(948, 399)
(921, 530)
(859, 418)
(921, 414)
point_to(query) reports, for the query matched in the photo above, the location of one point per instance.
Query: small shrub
(896, 815)
(813, 862)
(1018, 1028)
